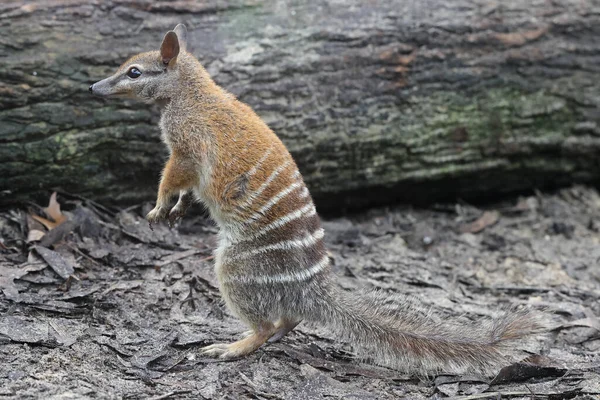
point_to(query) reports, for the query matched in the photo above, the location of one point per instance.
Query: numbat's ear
(169, 49)
(181, 32)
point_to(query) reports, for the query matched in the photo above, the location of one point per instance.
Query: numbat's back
(271, 263)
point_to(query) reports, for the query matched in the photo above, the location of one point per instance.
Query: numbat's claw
(174, 216)
(179, 210)
(157, 215)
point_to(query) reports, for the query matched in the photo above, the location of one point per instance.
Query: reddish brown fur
(179, 174)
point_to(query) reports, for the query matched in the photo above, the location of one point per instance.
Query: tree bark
(377, 101)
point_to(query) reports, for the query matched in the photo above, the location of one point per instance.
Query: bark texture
(377, 101)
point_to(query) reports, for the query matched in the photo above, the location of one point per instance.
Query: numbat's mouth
(101, 90)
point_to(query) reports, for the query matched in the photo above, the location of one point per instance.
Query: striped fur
(271, 261)
(299, 275)
(285, 245)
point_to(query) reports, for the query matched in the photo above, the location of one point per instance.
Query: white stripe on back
(297, 276)
(252, 196)
(308, 211)
(307, 240)
(274, 200)
(259, 162)
(303, 193)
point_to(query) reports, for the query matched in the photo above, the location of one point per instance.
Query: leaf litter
(53, 212)
(102, 299)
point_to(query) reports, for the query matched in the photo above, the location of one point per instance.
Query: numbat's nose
(91, 88)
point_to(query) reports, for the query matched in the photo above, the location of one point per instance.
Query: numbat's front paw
(176, 213)
(157, 214)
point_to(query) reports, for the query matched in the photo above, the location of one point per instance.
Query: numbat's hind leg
(243, 347)
(283, 327)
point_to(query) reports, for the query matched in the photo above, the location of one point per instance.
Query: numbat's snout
(271, 262)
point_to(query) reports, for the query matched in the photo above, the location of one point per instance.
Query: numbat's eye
(134, 73)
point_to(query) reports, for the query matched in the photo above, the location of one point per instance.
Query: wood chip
(488, 218)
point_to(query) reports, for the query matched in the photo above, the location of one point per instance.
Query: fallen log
(378, 101)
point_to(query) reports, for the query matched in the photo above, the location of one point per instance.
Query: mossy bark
(409, 100)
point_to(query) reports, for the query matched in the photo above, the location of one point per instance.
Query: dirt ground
(103, 307)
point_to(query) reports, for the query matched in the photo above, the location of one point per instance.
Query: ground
(103, 307)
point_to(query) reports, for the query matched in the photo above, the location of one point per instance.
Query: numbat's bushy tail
(271, 261)
(397, 333)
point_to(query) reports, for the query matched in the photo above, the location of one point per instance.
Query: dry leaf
(488, 218)
(35, 235)
(520, 372)
(584, 322)
(53, 211)
(56, 261)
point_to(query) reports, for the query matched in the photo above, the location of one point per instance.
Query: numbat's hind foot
(242, 347)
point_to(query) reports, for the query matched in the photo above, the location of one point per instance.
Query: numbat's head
(154, 75)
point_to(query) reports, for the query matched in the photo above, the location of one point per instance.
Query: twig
(131, 208)
(260, 392)
(170, 394)
(490, 395)
(533, 395)
(178, 256)
(81, 253)
(88, 201)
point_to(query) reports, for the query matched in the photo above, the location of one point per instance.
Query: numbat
(271, 263)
